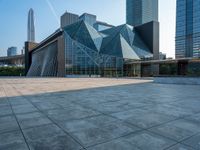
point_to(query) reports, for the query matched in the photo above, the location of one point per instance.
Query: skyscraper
(12, 51)
(188, 28)
(141, 11)
(31, 26)
(68, 18)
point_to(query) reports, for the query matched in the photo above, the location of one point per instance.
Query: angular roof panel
(140, 47)
(121, 41)
(84, 34)
(125, 30)
(117, 46)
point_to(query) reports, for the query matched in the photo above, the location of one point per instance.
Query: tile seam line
(128, 123)
(142, 129)
(180, 142)
(51, 120)
(17, 120)
(113, 139)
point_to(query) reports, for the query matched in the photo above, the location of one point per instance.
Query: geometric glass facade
(141, 11)
(89, 18)
(79, 49)
(81, 60)
(188, 28)
(92, 53)
(100, 26)
(83, 55)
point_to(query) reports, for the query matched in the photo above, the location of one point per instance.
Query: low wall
(178, 80)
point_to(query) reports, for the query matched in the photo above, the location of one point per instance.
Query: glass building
(141, 11)
(12, 51)
(100, 26)
(79, 49)
(89, 18)
(188, 28)
(94, 53)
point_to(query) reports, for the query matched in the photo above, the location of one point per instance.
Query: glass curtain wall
(81, 60)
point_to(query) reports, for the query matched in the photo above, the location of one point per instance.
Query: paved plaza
(98, 114)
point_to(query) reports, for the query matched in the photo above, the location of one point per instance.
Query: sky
(14, 16)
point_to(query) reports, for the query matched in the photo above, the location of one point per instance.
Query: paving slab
(65, 114)
(119, 144)
(145, 140)
(5, 110)
(180, 147)
(193, 141)
(12, 141)
(98, 114)
(8, 123)
(49, 137)
(147, 120)
(26, 108)
(178, 130)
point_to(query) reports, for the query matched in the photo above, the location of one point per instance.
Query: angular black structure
(150, 35)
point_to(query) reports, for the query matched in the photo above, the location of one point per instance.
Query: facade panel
(89, 18)
(188, 28)
(68, 18)
(141, 11)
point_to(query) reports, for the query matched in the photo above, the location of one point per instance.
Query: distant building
(31, 26)
(22, 51)
(145, 13)
(188, 29)
(68, 18)
(89, 18)
(141, 11)
(17, 60)
(99, 26)
(12, 51)
(162, 56)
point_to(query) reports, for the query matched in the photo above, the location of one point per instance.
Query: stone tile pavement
(98, 114)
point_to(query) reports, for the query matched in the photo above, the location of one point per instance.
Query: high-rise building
(68, 18)
(89, 18)
(31, 26)
(188, 28)
(12, 51)
(141, 11)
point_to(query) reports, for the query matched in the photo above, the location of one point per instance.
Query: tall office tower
(31, 26)
(141, 11)
(68, 18)
(12, 51)
(188, 28)
(89, 18)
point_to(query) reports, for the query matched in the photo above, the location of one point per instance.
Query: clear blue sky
(13, 19)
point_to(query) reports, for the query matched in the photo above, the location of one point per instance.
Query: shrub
(12, 71)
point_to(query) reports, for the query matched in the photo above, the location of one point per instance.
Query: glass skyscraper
(141, 11)
(188, 28)
(31, 26)
(12, 51)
